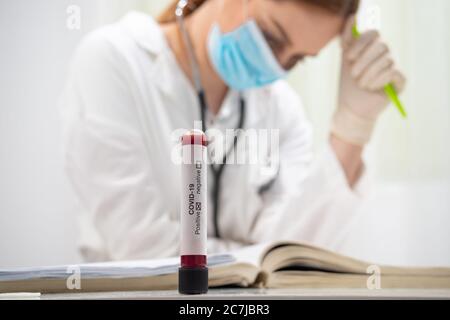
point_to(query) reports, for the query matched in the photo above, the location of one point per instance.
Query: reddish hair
(344, 8)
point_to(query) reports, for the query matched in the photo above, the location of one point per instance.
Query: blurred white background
(405, 221)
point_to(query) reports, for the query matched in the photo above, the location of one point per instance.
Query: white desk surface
(249, 294)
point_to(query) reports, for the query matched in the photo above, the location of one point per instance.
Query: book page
(252, 254)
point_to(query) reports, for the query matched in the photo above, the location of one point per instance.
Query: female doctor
(134, 83)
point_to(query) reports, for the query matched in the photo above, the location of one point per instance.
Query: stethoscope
(218, 170)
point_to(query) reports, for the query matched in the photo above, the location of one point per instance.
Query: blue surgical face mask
(242, 58)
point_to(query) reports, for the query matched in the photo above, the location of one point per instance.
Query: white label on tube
(194, 195)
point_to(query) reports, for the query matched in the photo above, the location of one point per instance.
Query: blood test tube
(193, 271)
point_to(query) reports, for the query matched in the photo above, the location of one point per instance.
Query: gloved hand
(367, 67)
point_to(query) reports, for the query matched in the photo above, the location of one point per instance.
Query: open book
(279, 265)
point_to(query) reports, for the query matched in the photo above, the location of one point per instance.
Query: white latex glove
(367, 67)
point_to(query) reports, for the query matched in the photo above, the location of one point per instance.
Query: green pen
(389, 88)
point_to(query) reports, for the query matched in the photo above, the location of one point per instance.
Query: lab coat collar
(145, 31)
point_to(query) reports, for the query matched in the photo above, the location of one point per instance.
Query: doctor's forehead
(309, 27)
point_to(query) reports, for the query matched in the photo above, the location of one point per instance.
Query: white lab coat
(124, 98)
